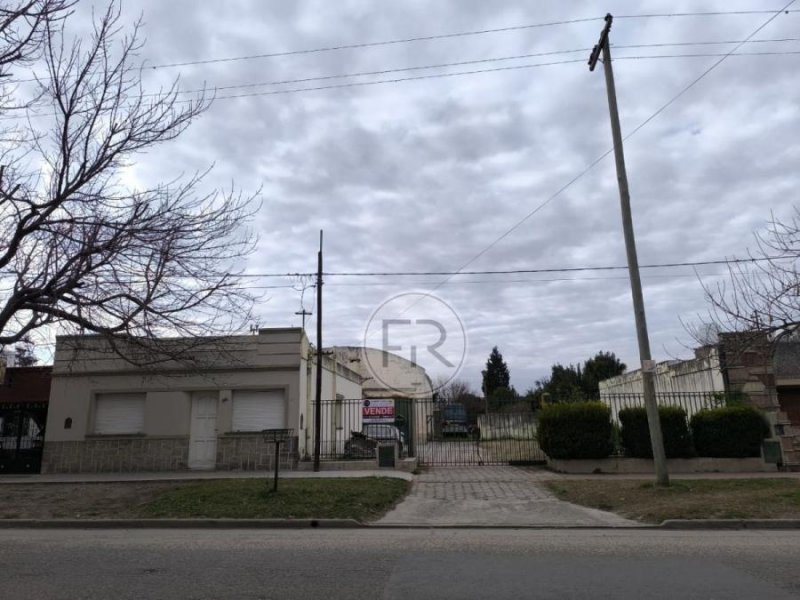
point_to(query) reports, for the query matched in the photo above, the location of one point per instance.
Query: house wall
(84, 368)
(700, 374)
(338, 380)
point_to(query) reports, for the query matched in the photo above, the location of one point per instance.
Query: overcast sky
(424, 175)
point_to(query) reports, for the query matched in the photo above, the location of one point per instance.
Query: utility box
(772, 452)
(387, 455)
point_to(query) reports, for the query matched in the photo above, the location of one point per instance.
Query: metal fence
(435, 433)
(691, 402)
(21, 437)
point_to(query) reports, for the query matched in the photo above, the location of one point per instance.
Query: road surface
(403, 564)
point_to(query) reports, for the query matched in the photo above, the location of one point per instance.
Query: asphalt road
(406, 564)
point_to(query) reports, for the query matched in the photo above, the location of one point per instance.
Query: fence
(691, 402)
(435, 433)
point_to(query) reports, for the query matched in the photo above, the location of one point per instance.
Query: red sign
(377, 411)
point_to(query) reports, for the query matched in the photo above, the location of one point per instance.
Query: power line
(445, 36)
(438, 75)
(669, 265)
(595, 162)
(373, 44)
(485, 60)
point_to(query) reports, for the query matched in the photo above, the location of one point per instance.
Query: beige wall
(385, 374)
(270, 360)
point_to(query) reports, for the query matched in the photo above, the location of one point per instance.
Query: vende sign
(377, 411)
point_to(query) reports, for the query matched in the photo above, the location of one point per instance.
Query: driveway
(487, 496)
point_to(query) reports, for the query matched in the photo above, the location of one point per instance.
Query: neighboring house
(749, 365)
(24, 396)
(108, 415)
(703, 373)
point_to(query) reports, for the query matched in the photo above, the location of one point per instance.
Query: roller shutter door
(258, 410)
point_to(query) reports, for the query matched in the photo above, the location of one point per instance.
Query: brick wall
(249, 452)
(121, 455)
(235, 452)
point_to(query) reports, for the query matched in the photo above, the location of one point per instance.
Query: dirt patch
(80, 500)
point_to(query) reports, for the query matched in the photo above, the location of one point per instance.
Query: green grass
(362, 499)
(687, 498)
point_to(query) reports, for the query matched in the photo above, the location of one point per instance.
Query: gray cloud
(423, 175)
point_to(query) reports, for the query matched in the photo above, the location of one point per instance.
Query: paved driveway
(508, 496)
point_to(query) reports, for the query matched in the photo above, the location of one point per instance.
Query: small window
(258, 410)
(119, 413)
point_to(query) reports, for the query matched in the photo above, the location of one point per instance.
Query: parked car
(454, 420)
(362, 444)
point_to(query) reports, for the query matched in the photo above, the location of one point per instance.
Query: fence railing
(435, 433)
(691, 402)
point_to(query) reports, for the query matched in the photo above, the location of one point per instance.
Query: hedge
(729, 432)
(635, 432)
(575, 430)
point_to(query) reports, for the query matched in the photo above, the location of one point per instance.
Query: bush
(674, 427)
(729, 432)
(575, 430)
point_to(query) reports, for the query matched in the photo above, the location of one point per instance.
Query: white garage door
(255, 410)
(119, 413)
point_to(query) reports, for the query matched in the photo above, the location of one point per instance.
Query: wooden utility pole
(318, 397)
(648, 365)
(304, 313)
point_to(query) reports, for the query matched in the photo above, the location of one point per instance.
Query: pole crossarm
(601, 43)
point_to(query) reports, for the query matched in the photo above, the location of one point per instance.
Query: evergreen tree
(496, 374)
(602, 365)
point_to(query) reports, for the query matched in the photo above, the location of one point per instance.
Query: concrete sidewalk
(492, 496)
(196, 476)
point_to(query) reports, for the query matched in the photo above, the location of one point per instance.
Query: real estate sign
(378, 411)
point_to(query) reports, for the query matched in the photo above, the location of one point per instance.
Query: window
(258, 410)
(119, 413)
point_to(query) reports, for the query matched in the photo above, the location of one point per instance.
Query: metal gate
(446, 435)
(437, 434)
(22, 437)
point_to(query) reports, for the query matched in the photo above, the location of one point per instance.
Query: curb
(181, 524)
(669, 525)
(730, 524)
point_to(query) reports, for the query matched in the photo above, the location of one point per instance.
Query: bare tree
(761, 297)
(453, 390)
(81, 252)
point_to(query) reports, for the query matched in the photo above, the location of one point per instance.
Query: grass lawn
(362, 499)
(687, 498)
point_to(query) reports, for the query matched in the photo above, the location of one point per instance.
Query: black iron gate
(22, 437)
(437, 434)
(447, 435)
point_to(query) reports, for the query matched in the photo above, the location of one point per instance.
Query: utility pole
(648, 365)
(318, 402)
(304, 313)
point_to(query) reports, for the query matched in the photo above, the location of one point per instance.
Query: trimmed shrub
(729, 432)
(674, 428)
(575, 430)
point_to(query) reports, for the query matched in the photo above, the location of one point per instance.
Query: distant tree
(602, 365)
(563, 385)
(496, 374)
(455, 390)
(458, 391)
(575, 382)
(23, 353)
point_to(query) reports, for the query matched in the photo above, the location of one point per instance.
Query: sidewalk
(196, 476)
